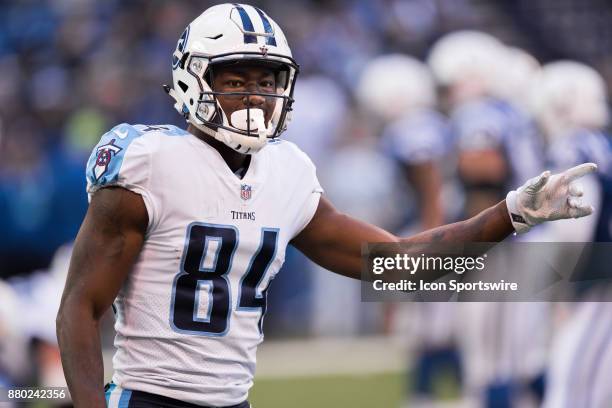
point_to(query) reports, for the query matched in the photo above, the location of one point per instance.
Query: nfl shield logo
(245, 191)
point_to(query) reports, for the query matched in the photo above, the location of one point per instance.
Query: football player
(13, 343)
(497, 147)
(571, 106)
(400, 91)
(186, 228)
(497, 144)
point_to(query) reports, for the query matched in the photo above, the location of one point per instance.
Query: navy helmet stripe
(247, 24)
(180, 47)
(267, 26)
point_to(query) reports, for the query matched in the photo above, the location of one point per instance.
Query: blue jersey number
(205, 265)
(248, 298)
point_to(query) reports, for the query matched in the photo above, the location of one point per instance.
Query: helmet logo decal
(180, 47)
(264, 50)
(271, 40)
(247, 25)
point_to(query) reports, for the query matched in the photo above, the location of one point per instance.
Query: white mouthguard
(257, 123)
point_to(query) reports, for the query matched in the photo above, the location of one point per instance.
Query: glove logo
(518, 218)
(180, 49)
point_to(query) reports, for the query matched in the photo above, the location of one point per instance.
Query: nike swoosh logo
(121, 135)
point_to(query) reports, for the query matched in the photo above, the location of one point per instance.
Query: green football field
(363, 391)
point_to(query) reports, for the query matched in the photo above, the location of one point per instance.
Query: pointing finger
(579, 171)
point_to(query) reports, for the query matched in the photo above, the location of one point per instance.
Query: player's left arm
(333, 239)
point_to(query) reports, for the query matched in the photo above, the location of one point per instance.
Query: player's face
(245, 78)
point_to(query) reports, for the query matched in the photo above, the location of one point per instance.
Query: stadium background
(72, 69)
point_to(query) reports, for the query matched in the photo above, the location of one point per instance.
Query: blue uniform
(582, 354)
(582, 147)
(415, 139)
(491, 336)
(489, 124)
(418, 138)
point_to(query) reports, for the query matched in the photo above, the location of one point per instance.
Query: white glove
(549, 198)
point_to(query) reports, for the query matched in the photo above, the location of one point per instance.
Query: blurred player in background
(399, 92)
(186, 228)
(12, 343)
(484, 85)
(362, 181)
(13, 346)
(570, 103)
(497, 144)
(28, 345)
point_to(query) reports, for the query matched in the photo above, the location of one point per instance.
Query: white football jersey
(189, 316)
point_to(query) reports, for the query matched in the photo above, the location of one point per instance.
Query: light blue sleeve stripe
(124, 400)
(105, 161)
(106, 158)
(108, 392)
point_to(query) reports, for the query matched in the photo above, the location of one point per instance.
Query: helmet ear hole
(184, 87)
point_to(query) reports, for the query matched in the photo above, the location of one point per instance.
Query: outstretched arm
(333, 239)
(106, 247)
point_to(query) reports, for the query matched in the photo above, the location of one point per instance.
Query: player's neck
(233, 159)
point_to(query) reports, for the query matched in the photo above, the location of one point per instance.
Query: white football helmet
(516, 77)
(394, 85)
(468, 60)
(569, 95)
(232, 33)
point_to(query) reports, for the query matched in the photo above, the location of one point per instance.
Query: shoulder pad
(168, 130)
(107, 156)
